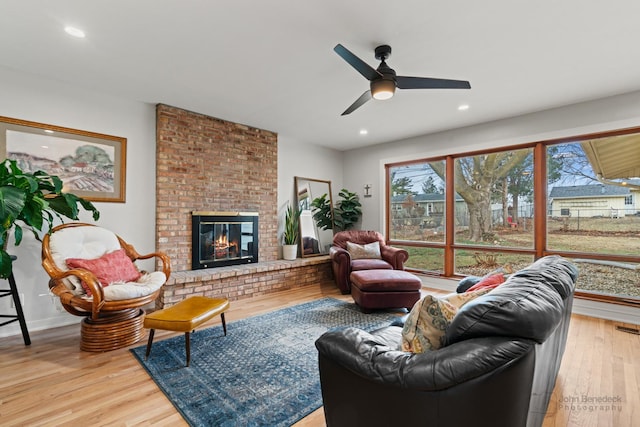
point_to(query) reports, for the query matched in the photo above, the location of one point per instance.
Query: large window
(587, 215)
(417, 202)
(469, 214)
(425, 259)
(494, 203)
(417, 212)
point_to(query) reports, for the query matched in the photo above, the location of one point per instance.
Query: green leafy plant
(35, 199)
(291, 226)
(348, 210)
(322, 212)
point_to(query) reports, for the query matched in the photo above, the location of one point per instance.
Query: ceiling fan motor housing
(385, 86)
(383, 52)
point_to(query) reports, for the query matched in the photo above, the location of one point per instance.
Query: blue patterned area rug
(263, 373)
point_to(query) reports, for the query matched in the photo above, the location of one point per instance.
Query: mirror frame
(303, 191)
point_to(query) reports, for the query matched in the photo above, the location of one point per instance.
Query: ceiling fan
(384, 80)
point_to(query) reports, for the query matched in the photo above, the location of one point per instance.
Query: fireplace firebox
(223, 238)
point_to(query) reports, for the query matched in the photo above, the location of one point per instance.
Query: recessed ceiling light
(48, 131)
(75, 32)
(363, 131)
(463, 107)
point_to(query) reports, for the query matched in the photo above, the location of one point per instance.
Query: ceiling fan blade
(430, 83)
(362, 67)
(359, 102)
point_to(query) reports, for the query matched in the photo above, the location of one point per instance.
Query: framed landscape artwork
(91, 165)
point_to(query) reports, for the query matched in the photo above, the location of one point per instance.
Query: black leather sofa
(498, 366)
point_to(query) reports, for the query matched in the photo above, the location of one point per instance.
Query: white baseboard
(603, 310)
(439, 283)
(39, 325)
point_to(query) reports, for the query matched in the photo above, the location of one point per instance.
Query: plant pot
(289, 252)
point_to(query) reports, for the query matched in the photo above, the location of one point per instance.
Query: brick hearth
(208, 164)
(246, 281)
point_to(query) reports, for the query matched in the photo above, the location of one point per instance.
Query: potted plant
(34, 199)
(291, 232)
(322, 212)
(347, 211)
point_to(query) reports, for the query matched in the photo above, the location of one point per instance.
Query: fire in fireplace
(223, 238)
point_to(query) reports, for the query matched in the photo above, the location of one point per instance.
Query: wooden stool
(185, 316)
(19, 316)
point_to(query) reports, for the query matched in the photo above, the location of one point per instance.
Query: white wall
(31, 98)
(366, 165)
(308, 161)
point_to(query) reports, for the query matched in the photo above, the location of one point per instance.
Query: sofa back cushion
(529, 304)
(360, 237)
(553, 271)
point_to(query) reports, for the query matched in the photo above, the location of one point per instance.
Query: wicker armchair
(113, 315)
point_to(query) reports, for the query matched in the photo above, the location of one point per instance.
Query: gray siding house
(598, 200)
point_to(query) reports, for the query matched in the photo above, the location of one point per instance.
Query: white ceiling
(270, 64)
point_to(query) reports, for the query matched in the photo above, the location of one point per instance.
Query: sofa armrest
(394, 256)
(341, 266)
(365, 382)
(338, 254)
(368, 356)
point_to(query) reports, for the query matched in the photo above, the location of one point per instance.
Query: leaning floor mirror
(316, 215)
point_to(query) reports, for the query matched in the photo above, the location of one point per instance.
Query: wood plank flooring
(52, 382)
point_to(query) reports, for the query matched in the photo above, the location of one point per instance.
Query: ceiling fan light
(383, 89)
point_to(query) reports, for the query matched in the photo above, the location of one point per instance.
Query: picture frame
(91, 165)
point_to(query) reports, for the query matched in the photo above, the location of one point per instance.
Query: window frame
(539, 248)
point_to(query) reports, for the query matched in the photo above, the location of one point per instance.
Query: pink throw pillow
(112, 267)
(490, 282)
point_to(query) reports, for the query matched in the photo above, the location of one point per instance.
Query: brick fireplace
(208, 164)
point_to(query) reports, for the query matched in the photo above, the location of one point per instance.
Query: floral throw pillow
(368, 251)
(112, 267)
(429, 318)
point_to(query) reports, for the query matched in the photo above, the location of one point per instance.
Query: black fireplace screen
(224, 238)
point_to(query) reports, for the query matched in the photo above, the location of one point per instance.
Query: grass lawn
(619, 236)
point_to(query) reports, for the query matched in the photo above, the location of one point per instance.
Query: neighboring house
(432, 203)
(597, 200)
(425, 206)
(427, 210)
